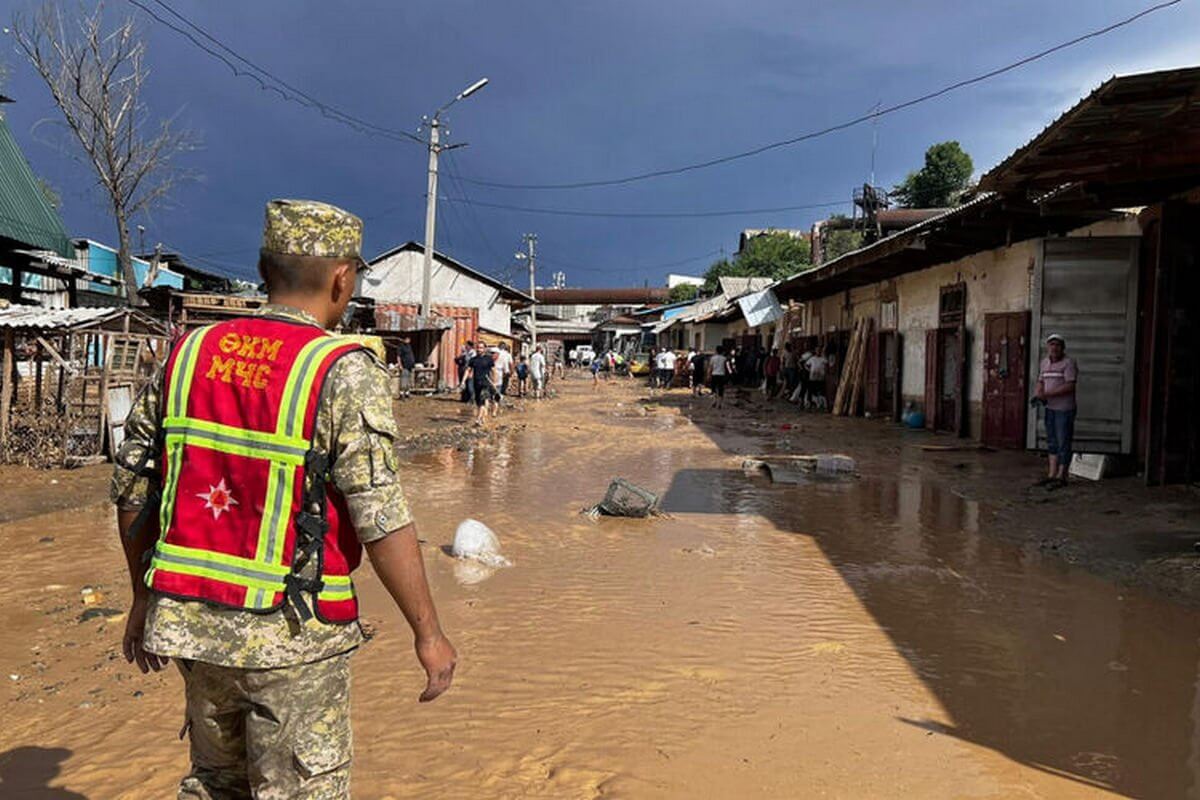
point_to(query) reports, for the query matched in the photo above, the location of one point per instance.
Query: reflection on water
(866, 638)
(1045, 665)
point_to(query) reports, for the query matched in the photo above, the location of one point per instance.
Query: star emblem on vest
(218, 498)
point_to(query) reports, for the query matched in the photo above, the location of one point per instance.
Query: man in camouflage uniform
(268, 693)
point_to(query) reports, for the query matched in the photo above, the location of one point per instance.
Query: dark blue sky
(583, 91)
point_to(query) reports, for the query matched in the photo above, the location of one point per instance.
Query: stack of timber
(848, 400)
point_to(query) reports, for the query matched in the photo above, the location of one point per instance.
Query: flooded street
(868, 637)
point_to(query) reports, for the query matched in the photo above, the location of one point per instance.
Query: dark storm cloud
(584, 91)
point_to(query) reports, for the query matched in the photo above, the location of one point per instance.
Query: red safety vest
(239, 521)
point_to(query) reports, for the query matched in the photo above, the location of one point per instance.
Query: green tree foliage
(771, 255)
(839, 241)
(941, 182)
(683, 292)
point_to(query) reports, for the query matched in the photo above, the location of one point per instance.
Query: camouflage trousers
(268, 734)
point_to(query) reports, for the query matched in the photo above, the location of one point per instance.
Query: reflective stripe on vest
(284, 449)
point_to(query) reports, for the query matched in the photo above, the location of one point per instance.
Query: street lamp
(435, 147)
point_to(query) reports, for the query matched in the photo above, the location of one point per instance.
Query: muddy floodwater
(858, 638)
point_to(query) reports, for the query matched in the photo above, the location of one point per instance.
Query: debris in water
(476, 541)
(801, 468)
(100, 613)
(625, 499)
(827, 648)
(90, 596)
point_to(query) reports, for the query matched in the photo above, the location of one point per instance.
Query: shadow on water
(26, 773)
(1051, 666)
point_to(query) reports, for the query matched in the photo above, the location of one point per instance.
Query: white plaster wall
(997, 281)
(397, 279)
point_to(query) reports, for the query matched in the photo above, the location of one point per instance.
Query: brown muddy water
(859, 639)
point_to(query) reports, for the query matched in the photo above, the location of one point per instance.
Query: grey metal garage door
(1086, 290)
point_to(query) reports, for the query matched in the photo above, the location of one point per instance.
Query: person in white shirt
(504, 366)
(667, 376)
(537, 372)
(718, 374)
(812, 384)
(656, 365)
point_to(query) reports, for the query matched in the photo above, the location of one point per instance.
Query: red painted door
(932, 389)
(1005, 386)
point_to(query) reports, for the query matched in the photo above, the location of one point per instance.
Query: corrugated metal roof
(25, 214)
(52, 318)
(1137, 130)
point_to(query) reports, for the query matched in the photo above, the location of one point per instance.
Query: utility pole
(430, 221)
(435, 148)
(531, 255)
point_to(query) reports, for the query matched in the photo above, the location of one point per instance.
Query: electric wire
(570, 212)
(267, 80)
(886, 110)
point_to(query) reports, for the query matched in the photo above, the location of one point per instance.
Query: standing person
(260, 613)
(537, 372)
(595, 368)
(481, 376)
(1057, 376)
(791, 368)
(718, 374)
(812, 387)
(407, 363)
(468, 352)
(668, 369)
(656, 368)
(699, 366)
(504, 366)
(522, 377)
(771, 370)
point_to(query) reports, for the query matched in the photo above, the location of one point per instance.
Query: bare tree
(96, 76)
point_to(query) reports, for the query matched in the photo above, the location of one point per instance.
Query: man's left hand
(131, 645)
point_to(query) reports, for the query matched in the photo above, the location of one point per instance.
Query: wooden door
(889, 368)
(932, 389)
(1005, 382)
(872, 375)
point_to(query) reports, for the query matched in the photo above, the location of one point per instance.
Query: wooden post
(6, 387)
(37, 379)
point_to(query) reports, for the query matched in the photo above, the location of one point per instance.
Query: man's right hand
(439, 659)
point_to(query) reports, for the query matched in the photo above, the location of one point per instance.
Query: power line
(257, 74)
(566, 212)
(658, 173)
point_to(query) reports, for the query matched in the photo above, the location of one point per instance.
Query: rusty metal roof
(1133, 140)
(637, 295)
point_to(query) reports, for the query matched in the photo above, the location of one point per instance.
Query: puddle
(861, 638)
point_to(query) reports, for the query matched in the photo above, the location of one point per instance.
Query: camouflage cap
(312, 228)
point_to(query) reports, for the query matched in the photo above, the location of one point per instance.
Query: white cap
(1055, 336)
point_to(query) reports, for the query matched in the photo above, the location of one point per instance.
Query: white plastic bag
(476, 541)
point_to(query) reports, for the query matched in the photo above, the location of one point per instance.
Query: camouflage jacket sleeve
(129, 488)
(356, 426)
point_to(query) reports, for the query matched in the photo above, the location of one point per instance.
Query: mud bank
(865, 638)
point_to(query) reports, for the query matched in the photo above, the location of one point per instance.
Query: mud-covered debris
(625, 499)
(475, 541)
(100, 612)
(800, 468)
